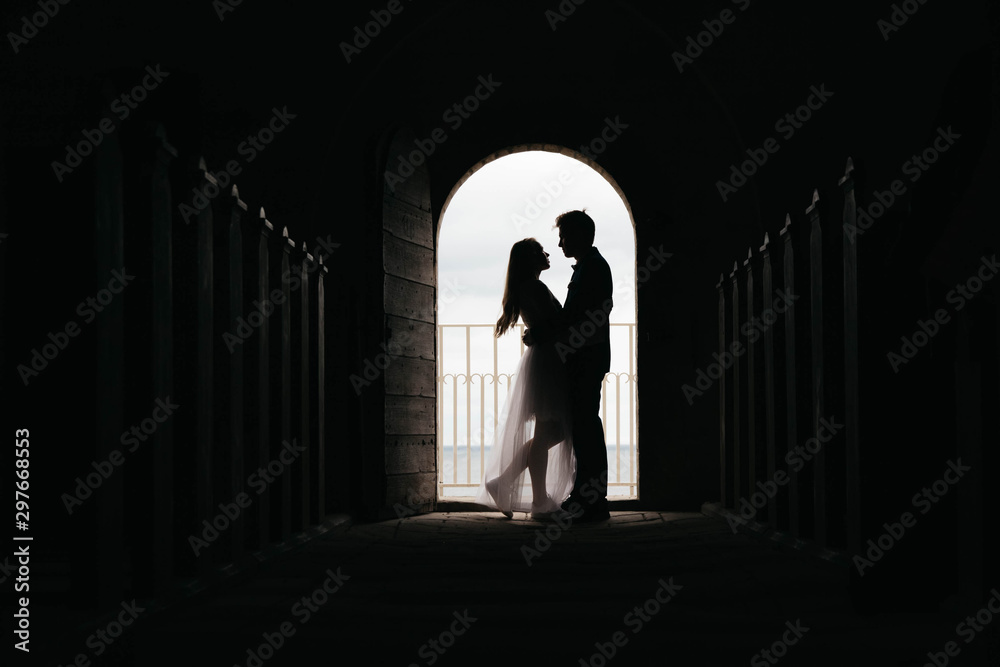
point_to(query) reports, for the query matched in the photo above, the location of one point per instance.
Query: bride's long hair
(519, 270)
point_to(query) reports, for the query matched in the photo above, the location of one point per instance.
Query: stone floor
(490, 591)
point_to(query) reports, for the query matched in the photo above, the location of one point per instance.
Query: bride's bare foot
(493, 487)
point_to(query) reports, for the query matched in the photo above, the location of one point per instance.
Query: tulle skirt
(538, 396)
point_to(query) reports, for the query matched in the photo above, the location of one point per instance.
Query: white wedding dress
(538, 393)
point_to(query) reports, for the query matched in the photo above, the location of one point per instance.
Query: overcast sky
(506, 201)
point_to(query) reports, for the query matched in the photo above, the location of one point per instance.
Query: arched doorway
(513, 194)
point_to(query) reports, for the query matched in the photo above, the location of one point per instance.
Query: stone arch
(595, 166)
(550, 148)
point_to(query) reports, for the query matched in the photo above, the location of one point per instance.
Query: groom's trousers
(586, 369)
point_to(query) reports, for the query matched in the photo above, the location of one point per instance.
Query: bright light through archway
(507, 199)
(518, 196)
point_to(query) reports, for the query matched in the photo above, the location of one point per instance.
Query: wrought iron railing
(469, 404)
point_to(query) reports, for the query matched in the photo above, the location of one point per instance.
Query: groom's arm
(589, 300)
(541, 333)
(589, 294)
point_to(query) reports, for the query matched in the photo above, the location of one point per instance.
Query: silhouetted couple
(551, 425)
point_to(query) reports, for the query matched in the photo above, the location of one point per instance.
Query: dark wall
(606, 60)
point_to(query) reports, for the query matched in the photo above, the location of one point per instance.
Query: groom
(582, 339)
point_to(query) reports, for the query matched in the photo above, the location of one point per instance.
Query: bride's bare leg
(506, 478)
(517, 466)
(547, 435)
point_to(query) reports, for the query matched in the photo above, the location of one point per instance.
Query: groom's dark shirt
(588, 300)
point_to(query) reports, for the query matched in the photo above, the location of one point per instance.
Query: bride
(535, 428)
